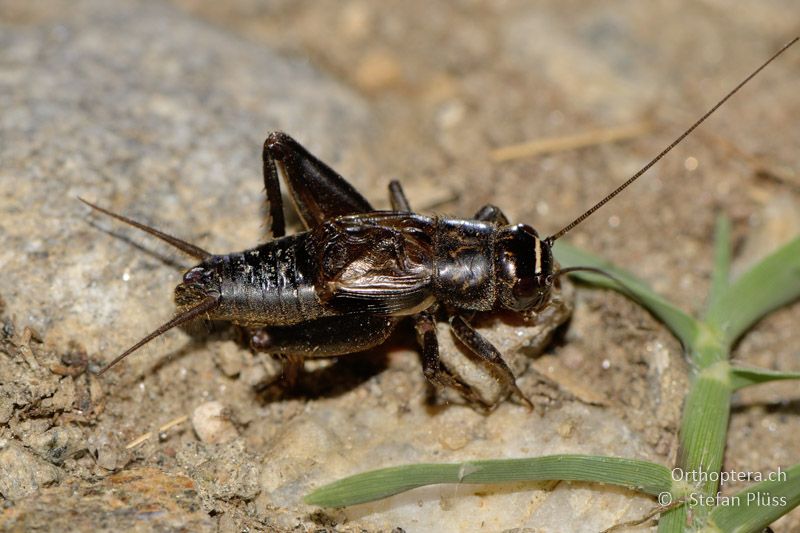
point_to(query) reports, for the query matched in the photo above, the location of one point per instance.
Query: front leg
(486, 353)
(433, 369)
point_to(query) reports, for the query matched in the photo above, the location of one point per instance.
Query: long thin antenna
(183, 246)
(203, 307)
(644, 169)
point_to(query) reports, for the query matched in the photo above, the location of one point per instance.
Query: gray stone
(23, 473)
(58, 444)
(168, 130)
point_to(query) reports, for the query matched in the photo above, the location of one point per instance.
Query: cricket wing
(374, 268)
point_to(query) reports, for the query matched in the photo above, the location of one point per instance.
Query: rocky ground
(158, 110)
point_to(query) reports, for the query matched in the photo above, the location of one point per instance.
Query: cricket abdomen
(271, 285)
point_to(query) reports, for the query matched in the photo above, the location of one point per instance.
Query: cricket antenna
(183, 246)
(203, 307)
(644, 169)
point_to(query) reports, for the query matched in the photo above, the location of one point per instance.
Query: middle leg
(491, 213)
(398, 198)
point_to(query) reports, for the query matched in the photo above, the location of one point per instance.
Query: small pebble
(107, 458)
(262, 372)
(228, 358)
(211, 423)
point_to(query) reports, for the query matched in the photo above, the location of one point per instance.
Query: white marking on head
(538, 251)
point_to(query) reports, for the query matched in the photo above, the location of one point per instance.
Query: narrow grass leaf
(642, 476)
(754, 508)
(744, 377)
(382, 483)
(681, 324)
(770, 284)
(720, 276)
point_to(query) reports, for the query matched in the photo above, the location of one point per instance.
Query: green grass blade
(720, 277)
(772, 283)
(744, 377)
(701, 447)
(381, 483)
(681, 324)
(759, 505)
(643, 476)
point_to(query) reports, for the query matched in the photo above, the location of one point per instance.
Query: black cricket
(343, 285)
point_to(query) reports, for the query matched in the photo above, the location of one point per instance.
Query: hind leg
(319, 193)
(323, 337)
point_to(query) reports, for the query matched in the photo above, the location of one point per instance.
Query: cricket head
(523, 269)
